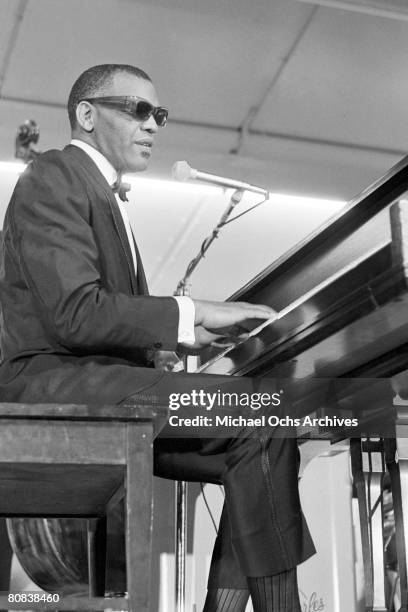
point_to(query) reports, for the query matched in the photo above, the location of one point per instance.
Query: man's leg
(264, 536)
(226, 600)
(225, 570)
(254, 542)
(278, 593)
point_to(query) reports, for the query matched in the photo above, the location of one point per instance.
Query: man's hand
(229, 321)
(168, 361)
(222, 317)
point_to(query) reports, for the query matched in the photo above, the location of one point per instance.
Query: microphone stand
(181, 486)
(235, 199)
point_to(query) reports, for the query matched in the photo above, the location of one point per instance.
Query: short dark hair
(94, 80)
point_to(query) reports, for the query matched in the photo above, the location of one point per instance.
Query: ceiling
(300, 98)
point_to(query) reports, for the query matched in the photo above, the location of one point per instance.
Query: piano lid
(341, 294)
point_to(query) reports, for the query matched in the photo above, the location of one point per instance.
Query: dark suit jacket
(76, 324)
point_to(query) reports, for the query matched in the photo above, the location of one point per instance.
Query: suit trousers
(262, 530)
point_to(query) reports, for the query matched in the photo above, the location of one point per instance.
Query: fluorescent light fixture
(394, 9)
(250, 198)
(195, 189)
(16, 167)
(307, 202)
(174, 186)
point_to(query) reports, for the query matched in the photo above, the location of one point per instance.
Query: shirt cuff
(186, 320)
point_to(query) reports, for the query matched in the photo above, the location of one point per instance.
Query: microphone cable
(207, 505)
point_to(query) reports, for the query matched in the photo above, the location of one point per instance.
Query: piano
(348, 287)
(342, 297)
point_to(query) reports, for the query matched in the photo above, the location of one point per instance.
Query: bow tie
(121, 188)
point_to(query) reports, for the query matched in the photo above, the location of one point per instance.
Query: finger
(258, 311)
(234, 331)
(222, 343)
(230, 340)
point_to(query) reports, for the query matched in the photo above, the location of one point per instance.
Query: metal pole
(181, 539)
(181, 486)
(181, 523)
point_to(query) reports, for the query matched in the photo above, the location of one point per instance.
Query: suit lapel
(92, 171)
(121, 231)
(141, 277)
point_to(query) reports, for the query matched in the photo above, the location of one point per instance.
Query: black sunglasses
(138, 108)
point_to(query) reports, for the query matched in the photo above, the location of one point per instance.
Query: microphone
(183, 172)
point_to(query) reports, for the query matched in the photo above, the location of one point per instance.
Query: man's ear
(85, 116)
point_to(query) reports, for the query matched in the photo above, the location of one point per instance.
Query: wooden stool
(78, 461)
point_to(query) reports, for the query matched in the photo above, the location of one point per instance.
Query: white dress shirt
(185, 304)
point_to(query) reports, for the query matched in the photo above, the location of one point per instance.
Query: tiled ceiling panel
(207, 59)
(347, 82)
(9, 12)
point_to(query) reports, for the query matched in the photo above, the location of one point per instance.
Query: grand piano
(342, 299)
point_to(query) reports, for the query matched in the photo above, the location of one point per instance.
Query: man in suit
(78, 325)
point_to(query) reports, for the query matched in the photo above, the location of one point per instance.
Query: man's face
(125, 141)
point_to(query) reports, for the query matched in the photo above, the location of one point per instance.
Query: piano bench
(77, 461)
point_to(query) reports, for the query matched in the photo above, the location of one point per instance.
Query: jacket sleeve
(53, 239)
